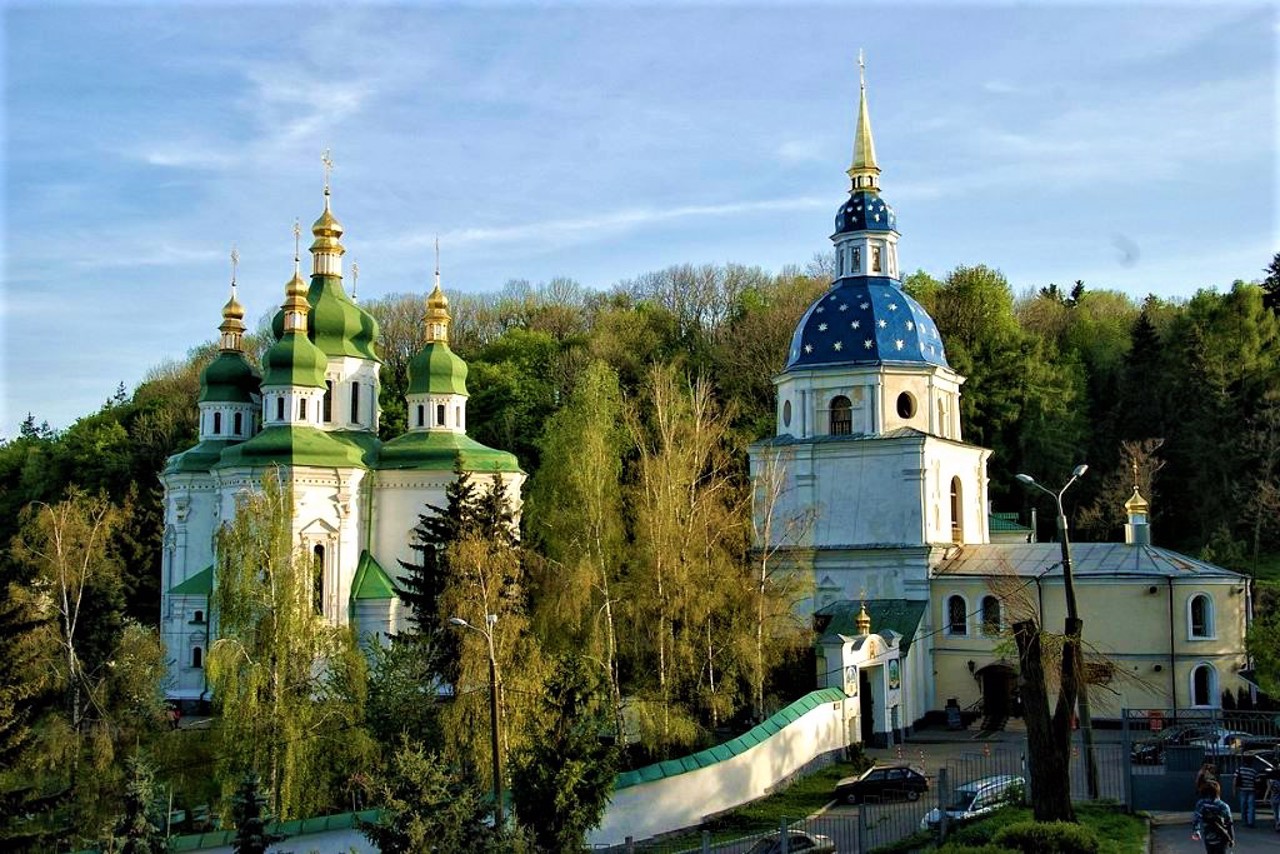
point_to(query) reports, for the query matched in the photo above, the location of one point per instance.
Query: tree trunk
(1048, 745)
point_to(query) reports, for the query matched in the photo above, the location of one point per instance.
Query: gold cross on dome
(862, 68)
(328, 168)
(235, 262)
(297, 238)
(355, 278)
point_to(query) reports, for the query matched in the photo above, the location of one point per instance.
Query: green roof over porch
(371, 581)
(200, 584)
(900, 615)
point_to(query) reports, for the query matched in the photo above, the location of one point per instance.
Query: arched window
(1200, 618)
(422, 415)
(957, 616)
(302, 409)
(440, 414)
(198, 618)
(238, 423)
(457, 416)
(1204, 685)
(217, 423)
(875, 259)
(355, 403)
(197, 657)
(317, 588)
(990, 616)
(857, 260)
(280, 408)
(326, 405)
(841, 416)
(957, 511)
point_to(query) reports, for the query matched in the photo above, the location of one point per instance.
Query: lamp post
(1074, 625)
(487, 631)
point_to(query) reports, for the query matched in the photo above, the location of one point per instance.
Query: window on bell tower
(841, 416)
(875, 259)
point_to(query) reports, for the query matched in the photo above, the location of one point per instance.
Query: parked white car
(1219, 741)
(977, 798)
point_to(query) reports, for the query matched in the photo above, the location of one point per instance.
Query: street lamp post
(487, 631)
(1074, 626)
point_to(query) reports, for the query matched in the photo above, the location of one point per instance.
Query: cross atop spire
(865, 171)
(235, 263)
(297, 245)
(437, 262)
(355, 279)
(328, 170)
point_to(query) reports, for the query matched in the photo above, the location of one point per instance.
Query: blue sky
(1131, 146)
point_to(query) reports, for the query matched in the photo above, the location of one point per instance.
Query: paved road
(1171, 834)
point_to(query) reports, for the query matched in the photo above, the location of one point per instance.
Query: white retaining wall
(683, 800)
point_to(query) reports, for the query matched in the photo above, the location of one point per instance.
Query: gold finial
(865, 171)
(863, 620)
(327, 229)
(355, 279)
(297, 244)
(1136, 503)
(436, 320)
(232, 327)
(235, 263)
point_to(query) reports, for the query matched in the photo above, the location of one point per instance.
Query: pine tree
(561, 782)
(140, 829)
(1271, 285)
(252, 836)
(436, 530)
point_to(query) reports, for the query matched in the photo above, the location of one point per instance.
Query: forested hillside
(613, 402)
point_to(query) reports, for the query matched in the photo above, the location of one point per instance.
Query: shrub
(1053, 837)
(989, 848)
(982, 832)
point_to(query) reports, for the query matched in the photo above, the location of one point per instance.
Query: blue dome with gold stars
(865, 320)
(865, 211)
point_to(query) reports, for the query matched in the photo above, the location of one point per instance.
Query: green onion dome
(295, 361)
(337, 325)
(437, 370)
(229, 378)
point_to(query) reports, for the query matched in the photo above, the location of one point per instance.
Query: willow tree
(574, 516)
(274, 667)
(687, 590)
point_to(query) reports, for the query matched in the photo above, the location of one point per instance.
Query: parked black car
(883, 783)
(1151, 751)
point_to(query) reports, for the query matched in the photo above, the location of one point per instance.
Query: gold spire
(232, 327)
(865, 171)
(295, 292)
(863, 620)
(436, 320)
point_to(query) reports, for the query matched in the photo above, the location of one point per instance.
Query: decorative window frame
(982, 616)
(1214, 686)
(1211, 617)
(946, 616)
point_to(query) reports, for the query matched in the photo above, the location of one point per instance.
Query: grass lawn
(1118, 831)
(802, 798)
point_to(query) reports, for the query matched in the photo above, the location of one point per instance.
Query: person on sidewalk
(1211, 821)
(1246, 785)
(1208, 771)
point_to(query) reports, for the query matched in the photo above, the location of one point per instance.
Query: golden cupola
(863, 620)
(436, 319)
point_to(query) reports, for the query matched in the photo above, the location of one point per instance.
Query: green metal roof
(303, 446)
(295, 361)
(436, 450)
(200, 584)
(437, 370)
(998, 522)
(371, 581)
(198, 458)
(757, 734)
(229, 378)
(899, 615)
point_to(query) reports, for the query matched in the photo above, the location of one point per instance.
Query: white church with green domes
(313, 416)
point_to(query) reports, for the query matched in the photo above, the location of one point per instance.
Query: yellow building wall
(1124, 622)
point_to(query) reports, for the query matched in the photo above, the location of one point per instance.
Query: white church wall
(399, 498)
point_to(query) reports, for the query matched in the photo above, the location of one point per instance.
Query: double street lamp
(1073, 625)
(487, 631)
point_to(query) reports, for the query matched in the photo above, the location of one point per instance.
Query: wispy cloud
(561, 231)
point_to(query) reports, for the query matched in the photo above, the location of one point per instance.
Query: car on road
(883, 783)
(977, 798)
(797, 841)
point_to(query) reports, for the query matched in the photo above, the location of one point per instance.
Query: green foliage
(562, 780)
(1051, 837)
(248, 813)
(289, 688)
(401, 700)
(426, 806)
(141, 827)
(954, 848)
